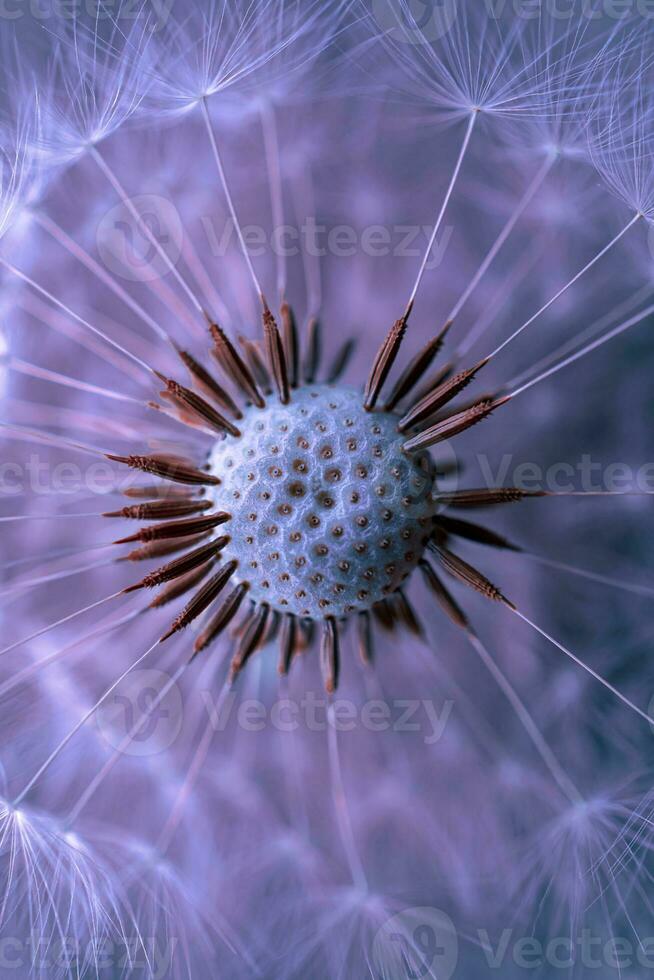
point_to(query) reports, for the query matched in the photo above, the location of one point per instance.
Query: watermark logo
(40, 477)
(420, 22)
(314, 713)
(112, 12)
(415, 21)
(154, 958)
(131, 238)
(319, 240)
(416, 943)
(139, 718)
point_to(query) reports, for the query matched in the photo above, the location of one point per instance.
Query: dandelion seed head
(576, 859)
(95, 83)
(59, 881)
(621, 131)
(20, 181)
(329, 515)
(249, 843)
(165, 903)
(459, 59)
(251, 54)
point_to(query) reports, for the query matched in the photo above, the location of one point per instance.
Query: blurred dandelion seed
(271, 502)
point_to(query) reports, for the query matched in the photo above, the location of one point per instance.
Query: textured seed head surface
(328, 514)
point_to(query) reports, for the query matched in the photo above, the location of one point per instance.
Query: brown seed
(160, 508)
(341, 361)
(208, 384)
(180, 566)
(233, 365)
(180, 586)
(250, 640)
(443, 596)
(177, 529)
(290, 343)
(474, 532)
(384, 615)
(199, 407)
(364, 637)
(470, 576)
(416, 368)
(171, 468)
(289, 643)
(313, 351)
(222, 619)
(276, 356)
(452, 426)
(384, 361)
(330, 654)
(438, 397)
(484, 497)
(157, 549)
(202, 599)
(257, 363)
(406, 613)
(161, 492)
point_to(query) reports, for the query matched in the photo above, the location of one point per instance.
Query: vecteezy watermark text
(111, 11)
(40, 477)
(427, 21)
(140, 955)
(585, 474)
(140, 249)
(423, 942)
(587, 950)
(312, 712)
(145, 714)
(340, 241)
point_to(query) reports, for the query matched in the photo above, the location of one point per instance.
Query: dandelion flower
(325, 490)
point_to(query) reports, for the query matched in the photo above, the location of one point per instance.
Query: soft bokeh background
(454, 816)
